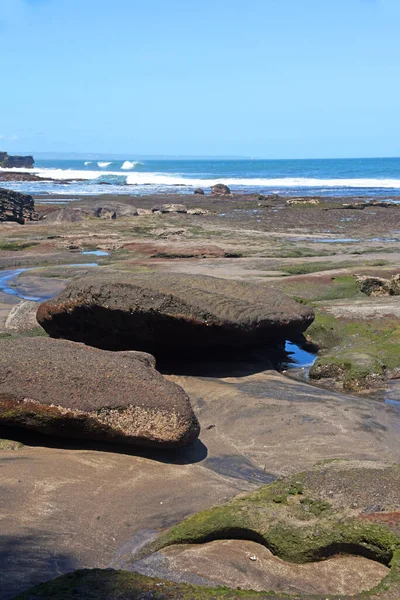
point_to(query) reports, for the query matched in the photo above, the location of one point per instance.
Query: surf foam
(161, 179)
(130, 164)
(104, 164)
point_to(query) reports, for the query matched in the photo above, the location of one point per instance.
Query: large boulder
(16, 207)
(220, 189)
(60, 388)
(162, 313)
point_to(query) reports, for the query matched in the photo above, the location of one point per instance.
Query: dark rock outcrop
(220, 190)
(165, 313)
(379, 286)
(11, 162)
(199, 191)
(16, 207)
(70, 390)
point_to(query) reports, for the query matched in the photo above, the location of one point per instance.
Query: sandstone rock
(220, 190)
(164, 313)
(303, 201)
(65, 215)
(22, 317)
(70, 390)
(114, 209)
(197, 211)
(16, 207)
(379, 286)
(170, 208)
(7, 161)
(199, 191)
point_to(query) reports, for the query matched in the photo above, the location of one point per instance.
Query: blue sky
(265, 78)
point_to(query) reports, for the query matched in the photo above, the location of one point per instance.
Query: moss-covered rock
(337, 507)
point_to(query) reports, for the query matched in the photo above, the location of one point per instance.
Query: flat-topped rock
(164, 312)
(70, 390)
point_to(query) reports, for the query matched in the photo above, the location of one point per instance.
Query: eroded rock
(16, 207)
(164, 312)
(220, 189)
(70, 390)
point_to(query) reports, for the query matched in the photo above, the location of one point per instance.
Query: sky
(256, 78)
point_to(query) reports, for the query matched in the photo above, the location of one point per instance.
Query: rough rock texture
(16, 207)
(335, 508)
(170, 208)
(163, 313)
(220, 190)
(199, 191)
(65, 215)
(197, 211)
(379, 286)
(69, 390)
(25, 162)
(22, 317)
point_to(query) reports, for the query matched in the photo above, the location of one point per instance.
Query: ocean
(377, 177)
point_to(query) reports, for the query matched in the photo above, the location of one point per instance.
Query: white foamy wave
(161, 179)
(104, 164)
(88, 162)
(130, 164)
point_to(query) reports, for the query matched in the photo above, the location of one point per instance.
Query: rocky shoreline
(95, 432)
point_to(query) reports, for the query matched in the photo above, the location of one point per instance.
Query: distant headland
(24, 162)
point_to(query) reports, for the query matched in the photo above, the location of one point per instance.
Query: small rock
(170, 208)
(197, 211)
(199, 191)
(22, 317)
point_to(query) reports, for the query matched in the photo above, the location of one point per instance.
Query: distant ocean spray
(330, 177)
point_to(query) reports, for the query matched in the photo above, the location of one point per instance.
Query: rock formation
(220, 189)
(162, 313)
(70, 390)
(16, 207)
(11, 162)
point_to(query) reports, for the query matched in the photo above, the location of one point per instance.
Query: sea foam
(130, 164)
(104, 164)
(87, 162)
(163, 179)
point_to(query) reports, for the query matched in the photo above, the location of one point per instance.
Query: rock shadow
(28, 560)
(194, 453)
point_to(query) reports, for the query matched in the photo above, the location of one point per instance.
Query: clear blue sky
(266, 78)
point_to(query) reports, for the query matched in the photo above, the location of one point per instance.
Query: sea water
(377, 177)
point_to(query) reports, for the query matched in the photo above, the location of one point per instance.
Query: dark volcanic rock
(24, 162)
(199, 191)
(70, 390)
(16, 207)
(220, 190)
(9, 176)
(163, 313)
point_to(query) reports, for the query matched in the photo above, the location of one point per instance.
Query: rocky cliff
(24, 162)
(16, 207)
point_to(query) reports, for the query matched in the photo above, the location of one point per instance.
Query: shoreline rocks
(72, 391)
(166, 313)
(220, 189)
(16, 207)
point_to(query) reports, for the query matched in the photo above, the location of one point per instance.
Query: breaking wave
(104, 164)
(163, 179)
(130, 164)
(87, 162)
